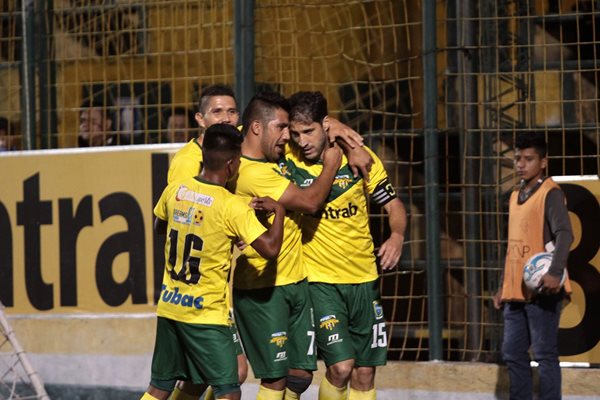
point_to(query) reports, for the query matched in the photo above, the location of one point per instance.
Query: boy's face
(528, 164)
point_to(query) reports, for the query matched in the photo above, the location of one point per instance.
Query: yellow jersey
(203, 219)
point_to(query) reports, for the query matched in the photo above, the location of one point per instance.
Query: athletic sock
(329, 392)
(148, 396)
(360, 395)
(291, 395)
(179, 395)
(209, 394)
(269, 394)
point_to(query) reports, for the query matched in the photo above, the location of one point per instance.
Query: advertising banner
(76, 228)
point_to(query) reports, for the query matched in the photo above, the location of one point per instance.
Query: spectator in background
(181, 125)
(96, 123)
(8, 139)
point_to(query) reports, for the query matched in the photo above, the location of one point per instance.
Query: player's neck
(216, 177)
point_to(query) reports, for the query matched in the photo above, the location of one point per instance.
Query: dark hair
(212, 91)
(535, 140)
(261, 107)
(181, 111)
(220, 143)
(105, 104)
(308, 107)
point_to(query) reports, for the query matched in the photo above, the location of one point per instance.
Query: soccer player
(201, 219)
(340, 256)
(216, 105)
(538, 221)
(272, 306)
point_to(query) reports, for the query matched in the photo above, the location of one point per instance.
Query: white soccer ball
(535, 268)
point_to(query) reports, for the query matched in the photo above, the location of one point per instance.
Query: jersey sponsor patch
(184, 193)
(176, 298)
(279, 338)
(188, 217)
(328, 322)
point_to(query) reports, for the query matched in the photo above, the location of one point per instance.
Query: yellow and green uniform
(203, 220)
(339, 255)
(259, 178)
(272, 306)
(186, 163)
(337, 243)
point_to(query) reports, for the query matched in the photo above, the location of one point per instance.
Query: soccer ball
(535, 268)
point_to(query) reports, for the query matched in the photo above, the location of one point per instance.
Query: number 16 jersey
(203, 219)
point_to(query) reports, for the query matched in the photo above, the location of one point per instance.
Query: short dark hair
(104, 103)
(212, 91)
(308, 107)
(535, 140)
(181, 111)
(220, 143)
(262, 106)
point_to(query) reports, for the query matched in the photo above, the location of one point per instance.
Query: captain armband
(383, 193)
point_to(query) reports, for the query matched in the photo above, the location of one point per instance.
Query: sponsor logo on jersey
(281, 356)
(184, 193)
(176, 298)
(342, 181)
(279, 338)
(378, 310)
(337, 213)
(188, 217)
(333, 339)
(307, 182)
(328, 322)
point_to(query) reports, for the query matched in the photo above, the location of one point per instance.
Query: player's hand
(497, 299)
(390, 251)
(332, 156)
(241, 245)
(266, 204)
(549, 284)
(360, 161)
(340, 131)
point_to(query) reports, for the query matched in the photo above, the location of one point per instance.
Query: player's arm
(557, 217)
(391, 250)
(268, 244)
(311, 198)
(160, 226)
(359, 160)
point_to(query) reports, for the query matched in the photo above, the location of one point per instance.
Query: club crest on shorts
(279, 338)
(377, 309)
(328, 322)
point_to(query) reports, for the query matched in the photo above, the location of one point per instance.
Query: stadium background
(438, 88)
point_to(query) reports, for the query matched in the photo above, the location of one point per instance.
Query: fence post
(244, 51)
(432, 204)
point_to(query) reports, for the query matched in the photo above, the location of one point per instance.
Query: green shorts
(350, 323)
(200, 353)
(277, 328)
(239, 349)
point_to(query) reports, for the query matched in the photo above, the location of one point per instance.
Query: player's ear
(200, 119)
(255, 127)
(326, 123)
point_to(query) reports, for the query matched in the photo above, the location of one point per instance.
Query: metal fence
(495, 68)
